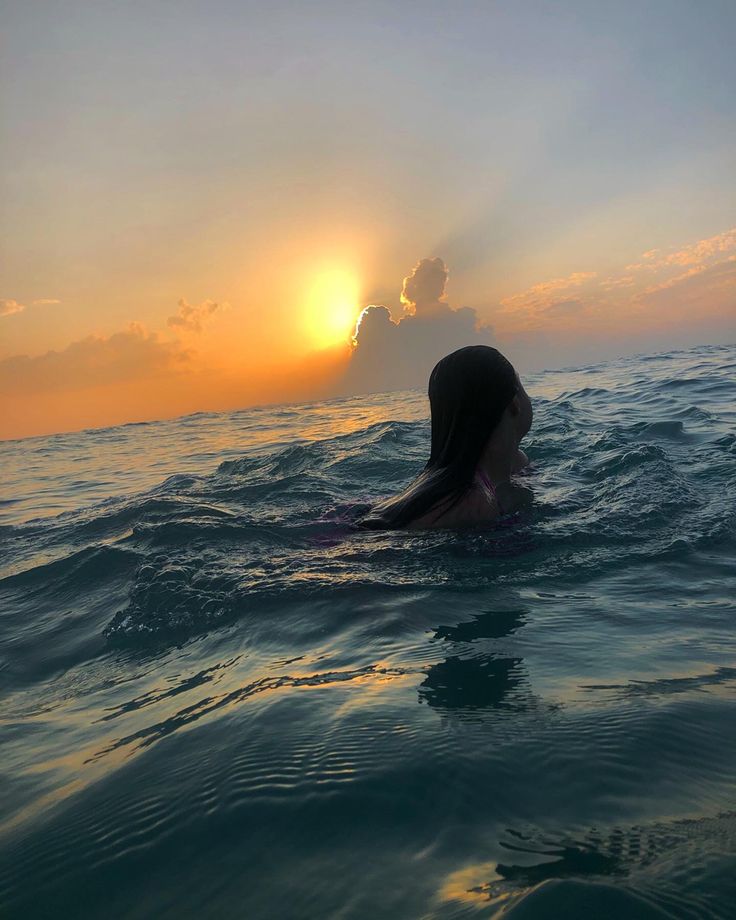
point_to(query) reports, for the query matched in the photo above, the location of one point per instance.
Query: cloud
(560, 308)
(193, 318)
(373, 325)
(707, 288)
(545, 301)
(542, 295)
(424, 289)
(93, 361)
(704, 250)
(9, 307)
(672, 282)
(391, 354)
(621, 314)
(683, 285)
(701, 253)
(612, 284)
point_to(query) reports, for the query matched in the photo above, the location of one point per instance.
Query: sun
(332, 307)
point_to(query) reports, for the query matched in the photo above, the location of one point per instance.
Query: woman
(480, 413)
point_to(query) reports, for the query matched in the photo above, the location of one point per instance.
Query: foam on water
(220, 699)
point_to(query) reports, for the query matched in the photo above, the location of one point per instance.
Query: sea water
(218, 699)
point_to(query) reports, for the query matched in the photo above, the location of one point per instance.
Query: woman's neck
(499, 455)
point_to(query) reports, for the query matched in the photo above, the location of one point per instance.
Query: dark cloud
(93, 361)
(391, 354)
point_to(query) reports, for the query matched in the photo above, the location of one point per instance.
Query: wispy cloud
(704, 250)
(709, 287)
(698, 272)
(614, 284)
(674, 281)
(194, 317)
(548, 296)
(701, 253)
(9, 307)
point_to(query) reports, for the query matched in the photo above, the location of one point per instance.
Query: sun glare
(332, 307)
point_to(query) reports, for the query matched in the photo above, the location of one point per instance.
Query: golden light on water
(332, 306)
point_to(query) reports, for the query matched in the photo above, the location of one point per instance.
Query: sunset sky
(198, 199)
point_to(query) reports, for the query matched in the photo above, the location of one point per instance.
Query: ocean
(218, 699)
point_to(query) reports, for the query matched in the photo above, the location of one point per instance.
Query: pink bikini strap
(487, 482)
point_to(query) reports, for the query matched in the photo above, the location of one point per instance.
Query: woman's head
(471, 392)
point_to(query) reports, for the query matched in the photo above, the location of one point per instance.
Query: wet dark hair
(469, 391)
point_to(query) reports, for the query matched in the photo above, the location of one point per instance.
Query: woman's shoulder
(474, 508)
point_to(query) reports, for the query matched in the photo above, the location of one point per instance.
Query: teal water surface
(220, 700)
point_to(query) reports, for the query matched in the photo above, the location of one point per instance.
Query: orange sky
(220, 354)
(196, 207)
